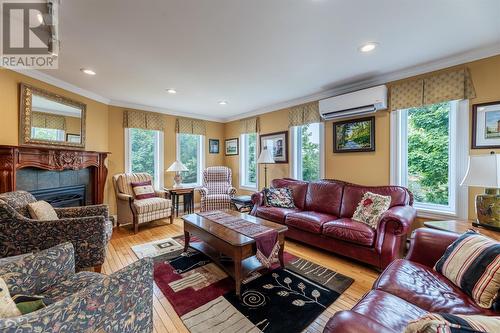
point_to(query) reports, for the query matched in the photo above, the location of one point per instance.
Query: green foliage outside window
(428, 148)
(189, 147)
(252, 161)
(142, 150)
(310, 153)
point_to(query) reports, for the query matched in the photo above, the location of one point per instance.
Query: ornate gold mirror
(48, 119)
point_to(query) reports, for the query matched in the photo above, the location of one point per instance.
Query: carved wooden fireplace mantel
(13, 158)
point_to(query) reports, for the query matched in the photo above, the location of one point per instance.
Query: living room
(273, 166)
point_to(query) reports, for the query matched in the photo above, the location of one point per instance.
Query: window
(429, 155)
(248, 161)
(144, 153)
(307, 152)
(51, 134)
(190, 153)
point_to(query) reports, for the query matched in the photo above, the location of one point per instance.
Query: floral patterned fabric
(371, 208)
(279, 197)
(85, 302)
(88, 228)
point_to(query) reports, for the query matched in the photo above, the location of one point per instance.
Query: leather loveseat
(408, 289)
(322, 218)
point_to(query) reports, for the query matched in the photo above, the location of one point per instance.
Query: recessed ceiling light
(172, 91)
(39, 18)
(87, 71)
(368, 47)
(222, 102)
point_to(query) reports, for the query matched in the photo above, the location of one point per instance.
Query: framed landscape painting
(278, 143)
(355, 135)
(231, 146)
(486, 125)
(213, 146)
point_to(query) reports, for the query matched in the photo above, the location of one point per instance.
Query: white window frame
(296, 151)
(60, 134)
(201, 159)
(458, 151)
(159, 157)
(244, 163)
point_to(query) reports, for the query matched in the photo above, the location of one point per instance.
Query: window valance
(143, 120)
(437, 88)
(304, 114)
(190, 126)
(47, 120)
(249, 125)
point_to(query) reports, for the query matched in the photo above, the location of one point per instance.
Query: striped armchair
(133, 211)
(217, 191)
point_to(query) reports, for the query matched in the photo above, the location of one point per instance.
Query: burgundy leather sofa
(406, 290)
(323, 219)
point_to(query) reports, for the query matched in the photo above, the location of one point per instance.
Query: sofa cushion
(387, 309)
(354, 193)
(422, 286)
(324, 197)
(279, 197)
(151, 205)
(370, 209)
(274, 214)
(351, 231)
(298, 187)
(309, 221)
(143, 190)
(445, 322)
(73, 284)
(42, 211)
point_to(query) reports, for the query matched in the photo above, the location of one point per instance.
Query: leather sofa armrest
(353, 322)
(428, 245)
(401, 217)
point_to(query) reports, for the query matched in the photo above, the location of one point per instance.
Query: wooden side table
(461, 226)
(187, 194)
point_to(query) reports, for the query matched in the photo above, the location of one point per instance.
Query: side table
(461, 226)
(187, 194)
(242, 203)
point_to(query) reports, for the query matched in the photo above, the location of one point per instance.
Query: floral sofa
(79, 302)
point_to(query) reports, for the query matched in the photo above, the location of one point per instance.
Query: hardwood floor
(165, 319)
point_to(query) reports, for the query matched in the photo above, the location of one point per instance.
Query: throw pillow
(42, 210)
(7, 306)
(27, 304)
(370, 208)
(445, 322)
(279, 197)
(143, 190)
(472, 263)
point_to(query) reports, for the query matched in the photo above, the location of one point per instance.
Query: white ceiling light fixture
(222, 102)
(39, 17)
(368, 47)
(172, 91)
(87, 71)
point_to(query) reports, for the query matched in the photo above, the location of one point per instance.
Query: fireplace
(68, 196)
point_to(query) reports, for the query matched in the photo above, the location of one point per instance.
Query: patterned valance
(47, 120)
(304, 114)
(190, 126)
(249, 125)
(437, 88)
(143, 120)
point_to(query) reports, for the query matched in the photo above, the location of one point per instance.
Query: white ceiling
(256, 53)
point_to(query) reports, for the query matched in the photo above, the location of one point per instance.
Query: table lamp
(177, 167)
(266, 157)
(484, 171)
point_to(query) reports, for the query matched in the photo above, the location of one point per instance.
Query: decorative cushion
(445, 322)
(42, 210)
(27, 304)
(143, 190)
(472, 263)
(371, 207)
(152, 205)
(7, 306)
(279, 197)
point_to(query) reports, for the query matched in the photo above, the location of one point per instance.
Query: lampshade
(177, 166)
(483, 171)
(265, 157)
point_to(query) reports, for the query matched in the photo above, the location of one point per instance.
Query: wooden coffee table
(217, 239)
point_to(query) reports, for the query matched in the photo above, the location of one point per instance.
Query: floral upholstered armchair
(88, 228)
(78, 302)
(133, 211)
(217, 191)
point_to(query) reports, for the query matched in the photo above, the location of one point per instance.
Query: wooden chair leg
(98, 268)
(171, 218)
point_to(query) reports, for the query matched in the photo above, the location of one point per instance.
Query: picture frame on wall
(232, 147)
(486, 125)
(73, 138)
(354, 135)
(213, 146)
(278, 143)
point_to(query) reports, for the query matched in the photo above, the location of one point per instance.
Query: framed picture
(486, 125)
(354, 135)
(73, 138)
(213, 146)
(278, 142)
(231, 147)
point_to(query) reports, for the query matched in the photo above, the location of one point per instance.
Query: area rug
(275, 300)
